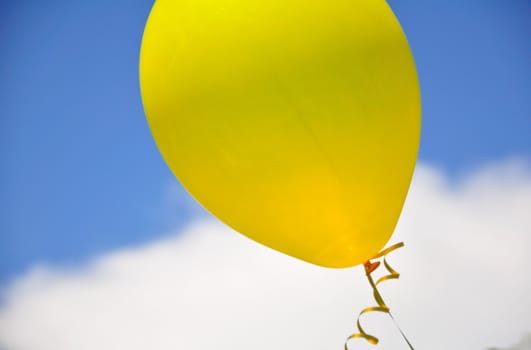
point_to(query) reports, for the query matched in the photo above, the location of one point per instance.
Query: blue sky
(80, 172)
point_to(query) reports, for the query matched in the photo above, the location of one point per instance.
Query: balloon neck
(370, 267)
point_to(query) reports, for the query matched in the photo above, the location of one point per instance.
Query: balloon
(295, 122)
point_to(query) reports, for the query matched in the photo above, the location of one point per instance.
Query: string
(370, 267)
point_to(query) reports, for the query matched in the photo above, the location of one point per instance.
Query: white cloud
(524, 344)
(464, 284)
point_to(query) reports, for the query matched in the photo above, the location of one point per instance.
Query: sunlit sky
(82, 177)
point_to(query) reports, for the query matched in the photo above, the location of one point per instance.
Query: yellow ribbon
(392, 274)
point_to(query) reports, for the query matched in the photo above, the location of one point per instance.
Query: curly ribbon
(392, 274)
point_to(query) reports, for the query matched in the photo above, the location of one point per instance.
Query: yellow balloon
(296, 122)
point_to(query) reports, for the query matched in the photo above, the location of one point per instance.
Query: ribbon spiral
(381, 307)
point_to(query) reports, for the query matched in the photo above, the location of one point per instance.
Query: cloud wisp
(464, 284)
